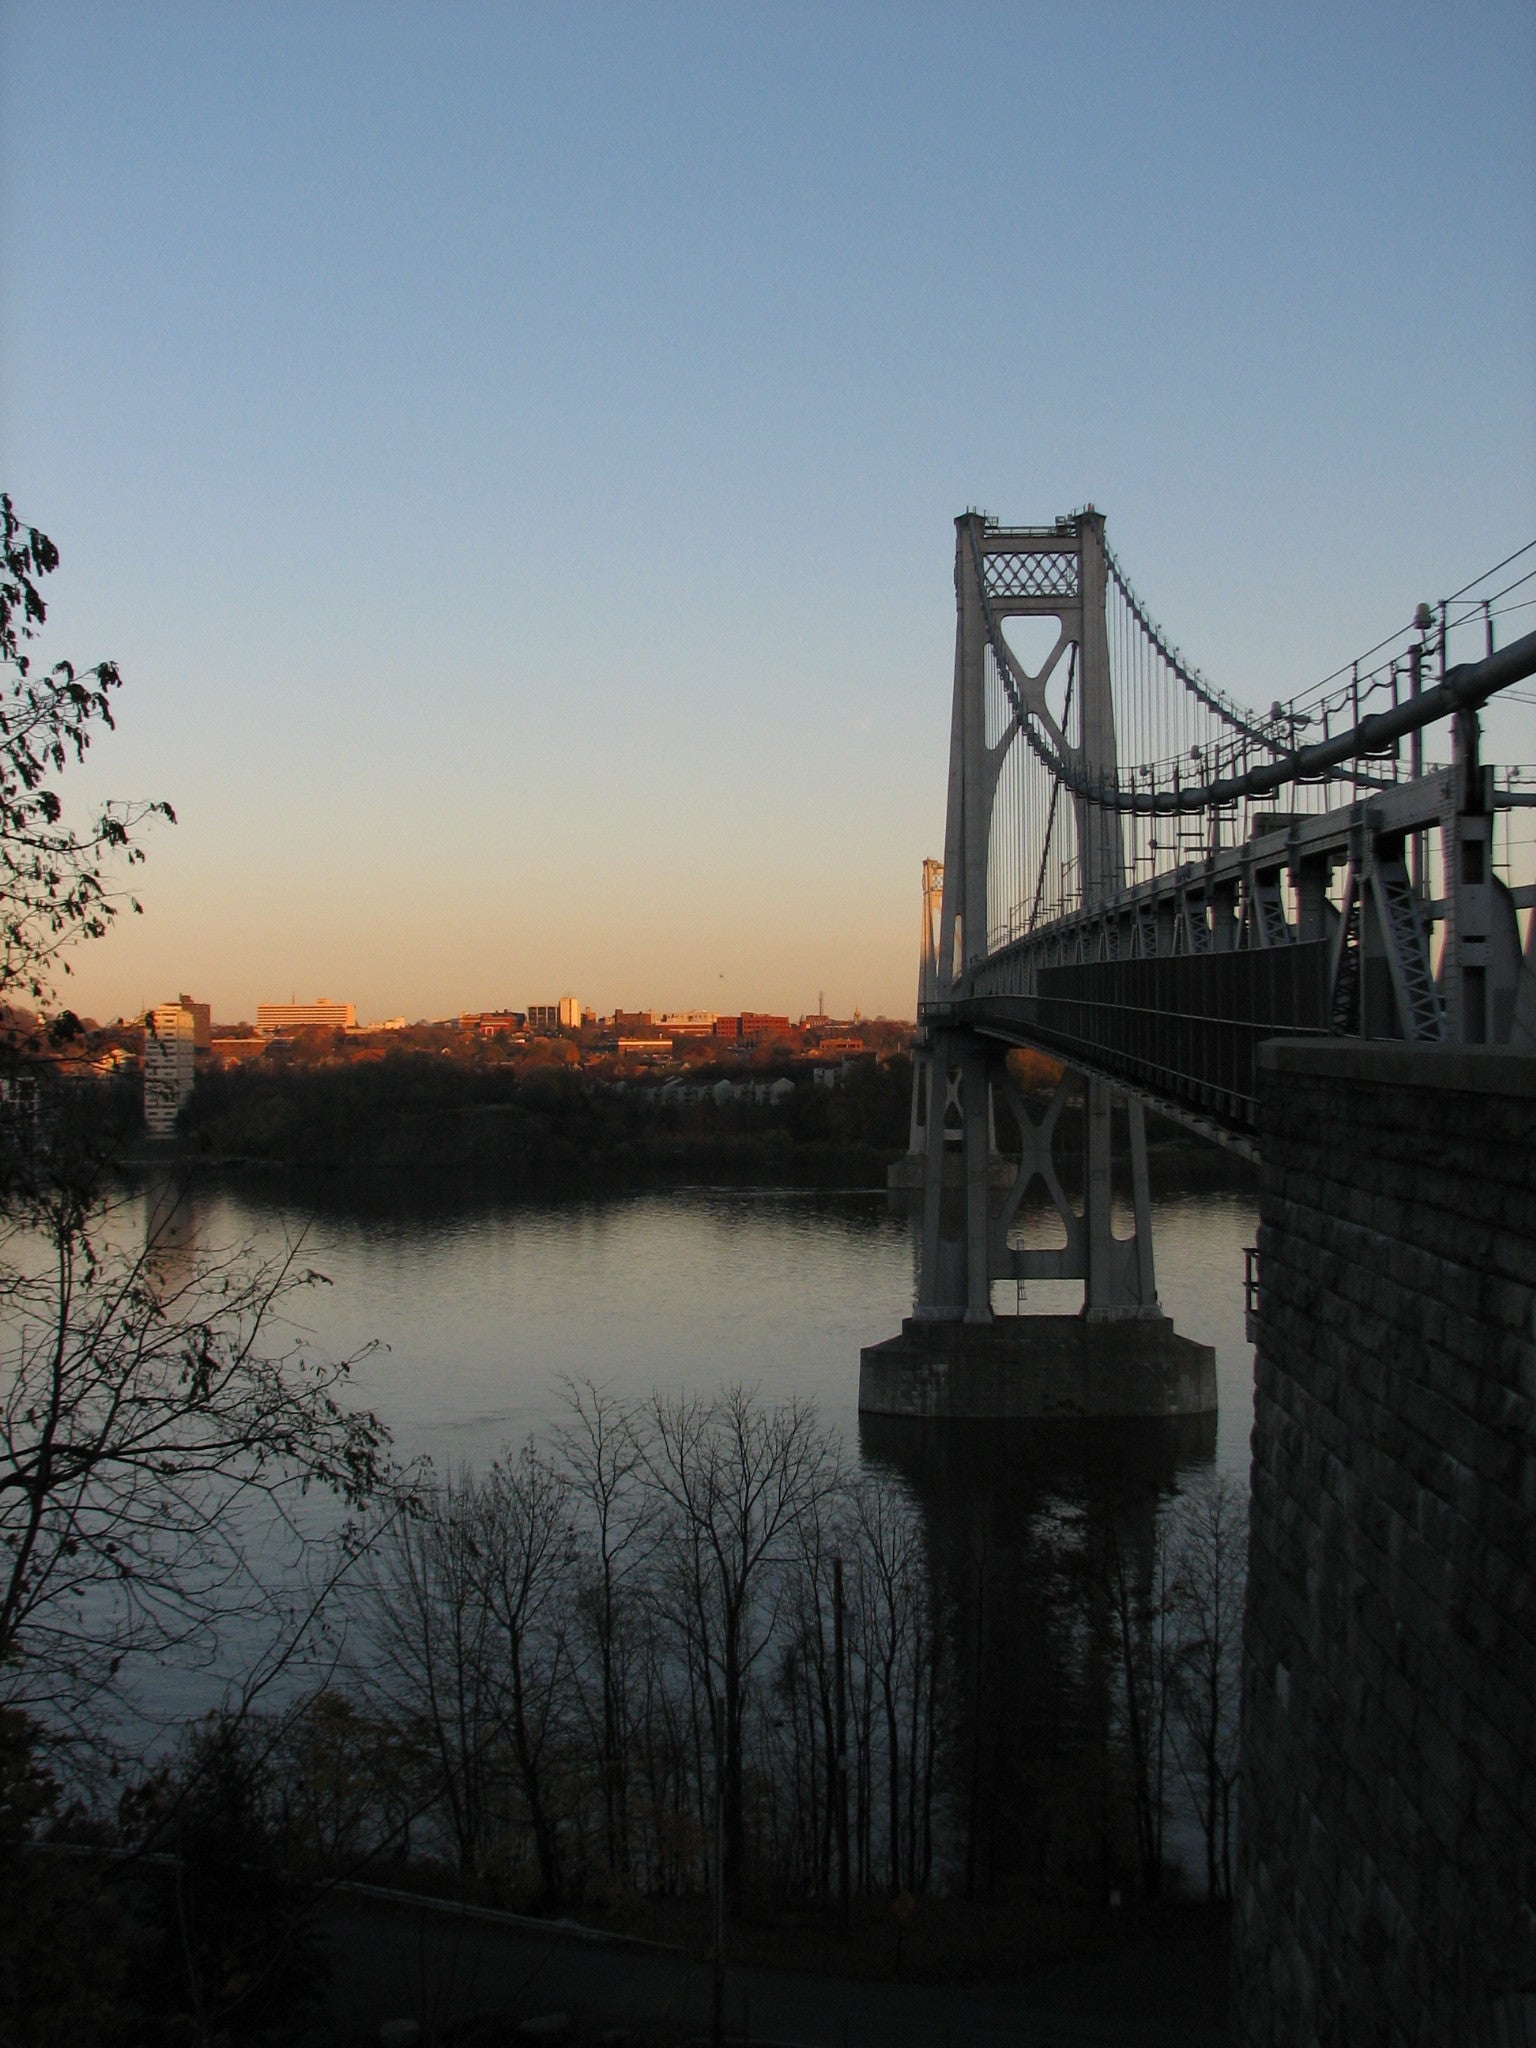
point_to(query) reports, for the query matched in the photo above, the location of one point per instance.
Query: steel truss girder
(1082, 986)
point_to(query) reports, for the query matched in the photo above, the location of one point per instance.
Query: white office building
(327, 1015)
(168, 1046)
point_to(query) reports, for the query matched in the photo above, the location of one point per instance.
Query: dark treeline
(549, 1130)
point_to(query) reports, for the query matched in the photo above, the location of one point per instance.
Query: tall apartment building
(295, 1016)
(169, 1033)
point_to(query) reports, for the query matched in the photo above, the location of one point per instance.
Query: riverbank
(552, 1132)
(539, 1163)
(555, 1133)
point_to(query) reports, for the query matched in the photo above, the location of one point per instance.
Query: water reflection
(171, 1240)
(482, 1302)
(1032, 1527)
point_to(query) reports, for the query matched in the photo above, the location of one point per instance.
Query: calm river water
(479, 1304)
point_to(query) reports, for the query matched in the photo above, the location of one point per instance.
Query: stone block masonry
(1386, 1889)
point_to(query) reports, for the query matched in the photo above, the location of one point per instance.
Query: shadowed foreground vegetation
(551, 1671)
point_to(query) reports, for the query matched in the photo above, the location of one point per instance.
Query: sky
(512, 451)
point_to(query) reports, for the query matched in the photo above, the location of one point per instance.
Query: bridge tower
(1057, 574)
(978, 1146)
(1151, 881)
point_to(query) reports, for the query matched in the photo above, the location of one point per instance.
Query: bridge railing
(1192, 770)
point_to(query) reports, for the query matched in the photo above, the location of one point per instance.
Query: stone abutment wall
(1387, 1871)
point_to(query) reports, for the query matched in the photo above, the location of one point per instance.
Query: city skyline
(512, 454)
(582, 1014)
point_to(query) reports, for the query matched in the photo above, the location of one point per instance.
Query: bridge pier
(968, 1231)
(1037, 1368)
(959, 1354)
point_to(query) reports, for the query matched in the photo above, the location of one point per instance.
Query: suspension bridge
(1148, 880)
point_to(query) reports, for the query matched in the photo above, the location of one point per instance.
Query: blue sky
(512, 451)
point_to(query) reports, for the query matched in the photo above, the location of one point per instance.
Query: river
(478, 1305)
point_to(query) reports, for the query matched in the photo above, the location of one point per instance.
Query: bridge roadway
(1369, 907)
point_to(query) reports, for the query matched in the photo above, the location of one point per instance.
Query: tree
(62, 1975)
(140, 1423)
(429, 1665)
(335, 1783)
(142, 1418)
(467, 1619)
(601, 1455)
(897, 1635)
(1210, 1566)
(809, 1667)
(735, 1479)
(1144, 1616)
(523, 1557)
(56, 882)
(230, 1950)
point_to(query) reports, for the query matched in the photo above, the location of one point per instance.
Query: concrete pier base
(1030, 1367)
(904, 1176)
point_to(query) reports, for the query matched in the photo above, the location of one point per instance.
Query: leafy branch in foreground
(56, 882)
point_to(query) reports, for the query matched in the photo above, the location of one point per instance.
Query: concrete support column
(933, 1303)
(917, 1128)
(1100, 1294)
(1141, 1198)
(975, 1103)
(1120, 1281)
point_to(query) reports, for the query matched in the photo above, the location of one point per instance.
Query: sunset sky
(512, 450)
